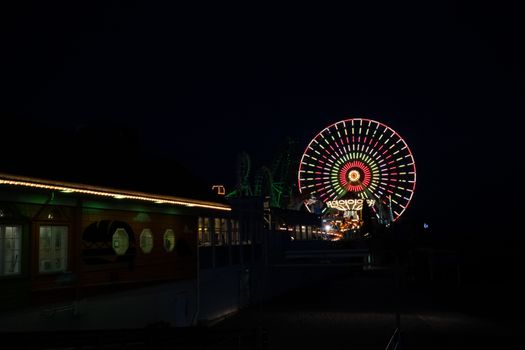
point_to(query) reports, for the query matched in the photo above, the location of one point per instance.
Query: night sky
(201, 84)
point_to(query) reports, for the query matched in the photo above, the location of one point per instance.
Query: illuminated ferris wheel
(361, 159)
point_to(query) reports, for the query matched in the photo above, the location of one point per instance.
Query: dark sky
(201, 84)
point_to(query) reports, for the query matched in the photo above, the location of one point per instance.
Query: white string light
(106, 192)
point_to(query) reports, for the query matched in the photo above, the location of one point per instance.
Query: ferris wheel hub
(353, 175)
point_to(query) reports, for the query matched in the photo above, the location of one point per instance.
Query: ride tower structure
(277, 182)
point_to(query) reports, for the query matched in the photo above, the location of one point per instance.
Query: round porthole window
(120, 241)
(169, 240)
(146, 241)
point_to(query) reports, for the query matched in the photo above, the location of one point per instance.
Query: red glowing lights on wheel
(354, 175)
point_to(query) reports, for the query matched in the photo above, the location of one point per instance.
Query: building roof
(103, 159)
(24, 181)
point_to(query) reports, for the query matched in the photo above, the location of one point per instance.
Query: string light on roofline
(105, 192)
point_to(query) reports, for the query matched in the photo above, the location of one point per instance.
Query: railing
(346, 257)
(395, 341)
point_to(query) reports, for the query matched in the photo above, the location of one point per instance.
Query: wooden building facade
(61, 243)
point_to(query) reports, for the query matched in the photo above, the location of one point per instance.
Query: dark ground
(354, 311)
(358, 312)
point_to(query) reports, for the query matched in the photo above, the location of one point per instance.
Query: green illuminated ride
(276, 183)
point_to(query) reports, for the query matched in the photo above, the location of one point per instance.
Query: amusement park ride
(275, 183)
(355, 171)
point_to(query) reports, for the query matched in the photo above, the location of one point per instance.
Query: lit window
(10, 249)
(146, 241)
(200, 231)
(235, 231)
(52, 249)
(207, 233)
(224, 231)
(218, 239)
(120, 241)
(169, 240)
(204, 231)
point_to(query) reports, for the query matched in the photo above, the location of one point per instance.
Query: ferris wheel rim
(370, 122)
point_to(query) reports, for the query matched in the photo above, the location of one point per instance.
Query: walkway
(358, 312)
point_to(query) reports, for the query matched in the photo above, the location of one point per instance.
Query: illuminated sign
(350, 204)
(220, 189)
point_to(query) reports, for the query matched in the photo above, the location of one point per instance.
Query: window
(207, 233)
(146, 241)
(224, 231)
(235, 231)
(200, 230)
(120, 241)
(10, 249)
(169, 240)
(52, 249)
(217, 238)
(107, 242)
(204, 231)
